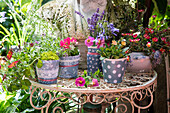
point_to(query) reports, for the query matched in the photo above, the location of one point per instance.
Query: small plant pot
(114, 70)
(139, 63)
(48, 73)
(69, 66)
(93, 60)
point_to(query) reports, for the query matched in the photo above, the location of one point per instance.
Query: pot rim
(120, 59)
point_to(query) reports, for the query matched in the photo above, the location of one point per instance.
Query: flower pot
(139, 63)
(113, 70)
(69, 66)
(48, 73)
(93, 60)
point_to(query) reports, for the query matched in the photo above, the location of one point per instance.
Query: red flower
(146, 36)
(154, 16)
(141, 10)
(162, 50)
(4, 77)
(151, 30)
(9, 55)
(128, 58)
(134, 36)
(31, 44)
(154, 39)
(13, 64)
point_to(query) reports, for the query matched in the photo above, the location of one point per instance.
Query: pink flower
(95, 82)
(100, 43)
(154, 16)
(65, 43)
(151, 30)
(0, 66)
(146, 36)
(80, 81)
(89, 41)
(130, 40)
(154, 39)
(148, 44)
(73, 40)
(134, 36)
(141, 10)
(163, 39)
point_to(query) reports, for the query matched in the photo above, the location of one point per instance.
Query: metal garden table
(133, 89)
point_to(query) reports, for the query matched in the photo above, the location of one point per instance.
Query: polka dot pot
(93, 60)
(113, 70)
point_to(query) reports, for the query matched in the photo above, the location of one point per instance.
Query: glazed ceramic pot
(139, 63)
(93, 60)
(48, 73)
(69, 66)
(114, 70)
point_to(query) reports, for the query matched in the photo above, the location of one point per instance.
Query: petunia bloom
(80, 81)
(89, 41)
(95, 82)
(13, 64)
(134, 36)
(148, 44)
(154, 39)
(9, 55)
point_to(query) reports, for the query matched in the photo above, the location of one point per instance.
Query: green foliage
(115, 51)
(49, 56)
(88, 79)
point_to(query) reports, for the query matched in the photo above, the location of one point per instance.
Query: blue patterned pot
(139, 63)
(48, 73)
(113, 70)
(93, 60)
(69, 66)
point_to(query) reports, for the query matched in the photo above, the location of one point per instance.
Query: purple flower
(36, 42)
(97, 10)
(89, 41)
(95, 82)
(79, 14)
(80, 81)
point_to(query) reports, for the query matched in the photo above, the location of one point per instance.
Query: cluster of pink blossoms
(67, 42)
(90, 41)
(80, 82)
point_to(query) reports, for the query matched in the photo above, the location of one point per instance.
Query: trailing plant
(89, 81)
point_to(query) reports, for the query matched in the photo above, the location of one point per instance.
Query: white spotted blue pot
(69, 66)
(93, 60)
(48, 73)
(114, 70)
(139, 63)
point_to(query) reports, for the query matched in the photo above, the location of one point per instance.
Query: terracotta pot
(93, 60)
(69, 66)
(139, 63)
(114, 70)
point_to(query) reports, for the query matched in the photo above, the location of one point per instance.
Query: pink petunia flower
(89, 41)
(0, 66)
(100, 43)
(95, 82)
(163, 39)
(148, 44)
(80, 81)
(73, 40)
(155, 39)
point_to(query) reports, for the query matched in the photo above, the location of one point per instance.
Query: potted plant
(47, 68)
(145, 48)
(69, 58)
(101, 32)
(114, 60)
